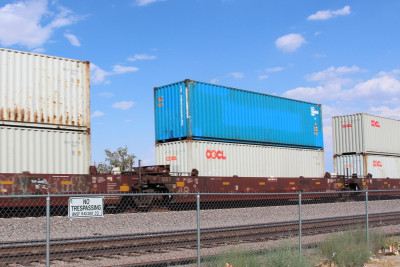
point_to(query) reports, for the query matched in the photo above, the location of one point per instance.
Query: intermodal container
(364, 133)
(196, 110)
(37, 88)
(43, 150)
(245, 160)
(380, 166)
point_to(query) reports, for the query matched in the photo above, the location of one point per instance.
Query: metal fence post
(299, 225)
(198, 230)
(48, 230)
(366, 215)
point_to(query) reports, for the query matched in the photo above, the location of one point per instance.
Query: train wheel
(144, 203)
(124, 205)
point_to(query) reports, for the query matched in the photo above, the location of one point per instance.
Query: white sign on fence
(85, 207)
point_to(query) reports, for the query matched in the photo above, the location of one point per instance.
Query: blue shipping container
(197, 110)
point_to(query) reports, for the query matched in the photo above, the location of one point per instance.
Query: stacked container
(199, 124)
(365, 144)
(44, 114)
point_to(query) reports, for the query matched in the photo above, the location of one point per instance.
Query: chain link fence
(206, 229)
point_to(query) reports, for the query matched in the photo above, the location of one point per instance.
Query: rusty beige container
(245, 160)
(364, 133)
(37, 88)
(43, 150)
(380, 166)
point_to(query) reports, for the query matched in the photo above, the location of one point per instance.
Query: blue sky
(341, 54)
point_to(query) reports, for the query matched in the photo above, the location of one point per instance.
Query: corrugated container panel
(380, 166)
(364, 133)
(244, 160)
(197, 110)
(37, 88)
(39, 150)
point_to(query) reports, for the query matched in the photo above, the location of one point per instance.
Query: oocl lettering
(375, 124)
(213, 154)
(171, 158)
(377, 163)
(347, 126)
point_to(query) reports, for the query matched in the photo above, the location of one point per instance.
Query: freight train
(158, 179)
(230, 140)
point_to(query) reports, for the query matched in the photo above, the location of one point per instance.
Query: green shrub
(235, 258)
(350, 248)
(285, 256)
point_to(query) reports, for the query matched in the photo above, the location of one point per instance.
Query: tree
(119, 158)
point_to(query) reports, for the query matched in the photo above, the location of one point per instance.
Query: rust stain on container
(22, 114)
(16, 113)
(56, 81)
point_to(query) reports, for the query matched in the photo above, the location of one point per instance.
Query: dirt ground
(385, 261)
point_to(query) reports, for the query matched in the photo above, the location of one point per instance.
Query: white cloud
(141, 57)
(97, 75)
(214, 81)
(263, 77)
(38, 50)
(72, 39)
(106, 94)
(327, 14)
(331, 73)
(332, 81)
(317, 55)
(124, 105)
(381, 87)
(146, 2)
(276, 69)
(97, 114)
(290, 42)
(342, 12)
(237, 75)
(386, 111)
(316, 94)
(128, 121)
(384, 88)
(121, 69)
(21, 23)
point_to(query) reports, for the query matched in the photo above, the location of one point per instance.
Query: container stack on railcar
(366, 144)
(222, 131)
(44, 114)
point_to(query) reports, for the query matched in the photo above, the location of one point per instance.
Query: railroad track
(138, 244)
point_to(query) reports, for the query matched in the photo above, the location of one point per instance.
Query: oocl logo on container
(171, 158)
(377, 163)
(213, 154)
(375, 124)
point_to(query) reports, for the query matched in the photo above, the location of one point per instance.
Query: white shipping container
(364, 133)
(38, 88)
(40, 150)
(245, 160)
(380, 166)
